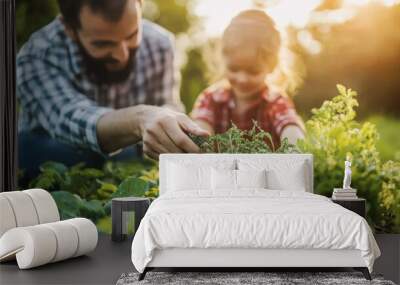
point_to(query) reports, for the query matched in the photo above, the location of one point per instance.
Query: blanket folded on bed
(251, 218)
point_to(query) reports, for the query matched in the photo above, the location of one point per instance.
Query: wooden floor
(102, 266)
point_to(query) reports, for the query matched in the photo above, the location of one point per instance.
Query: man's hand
(162, 130)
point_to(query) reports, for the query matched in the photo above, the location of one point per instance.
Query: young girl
(250, 48)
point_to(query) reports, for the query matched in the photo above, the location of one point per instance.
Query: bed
(247, 210)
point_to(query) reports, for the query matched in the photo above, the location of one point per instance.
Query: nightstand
(124, 211)
(356, 205)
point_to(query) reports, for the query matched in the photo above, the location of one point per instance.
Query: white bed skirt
(226, 257)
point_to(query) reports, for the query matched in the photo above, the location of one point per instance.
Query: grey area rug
(231, 278)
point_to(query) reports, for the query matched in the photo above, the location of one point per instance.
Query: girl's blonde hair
(256, 27)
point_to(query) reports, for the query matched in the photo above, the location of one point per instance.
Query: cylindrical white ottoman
(31, 230)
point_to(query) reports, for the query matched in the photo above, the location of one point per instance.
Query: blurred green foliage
(175, 16)
(333, 134)
(32, 15)
(388, 144)
(194, 78)
(81, 191)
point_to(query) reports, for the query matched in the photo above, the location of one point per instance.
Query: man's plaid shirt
(56, 95)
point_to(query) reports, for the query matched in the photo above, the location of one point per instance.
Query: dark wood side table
(356, 205)
(122, 210)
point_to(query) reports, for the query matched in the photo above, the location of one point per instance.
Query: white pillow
(227, 179)
(282, 174)
(188, 177)
(223, 179)
(293, 180)
(194, 174)
(251, 178)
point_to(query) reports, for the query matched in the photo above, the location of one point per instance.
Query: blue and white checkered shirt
(57, 96)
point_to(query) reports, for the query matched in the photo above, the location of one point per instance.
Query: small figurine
(347, 175)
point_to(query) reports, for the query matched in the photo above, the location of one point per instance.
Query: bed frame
(242, 259)
(246, 259)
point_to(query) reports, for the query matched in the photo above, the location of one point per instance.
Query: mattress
(250, 219)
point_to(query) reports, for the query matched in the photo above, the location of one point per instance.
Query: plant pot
(388, 263)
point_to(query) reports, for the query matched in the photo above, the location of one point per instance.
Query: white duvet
(253, 218)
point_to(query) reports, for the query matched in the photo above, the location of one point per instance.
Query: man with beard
(96, 80)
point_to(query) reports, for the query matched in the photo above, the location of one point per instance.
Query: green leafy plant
(71, 206)
(81, 191)
(255, 140)
(389, 198)
(333, 134)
